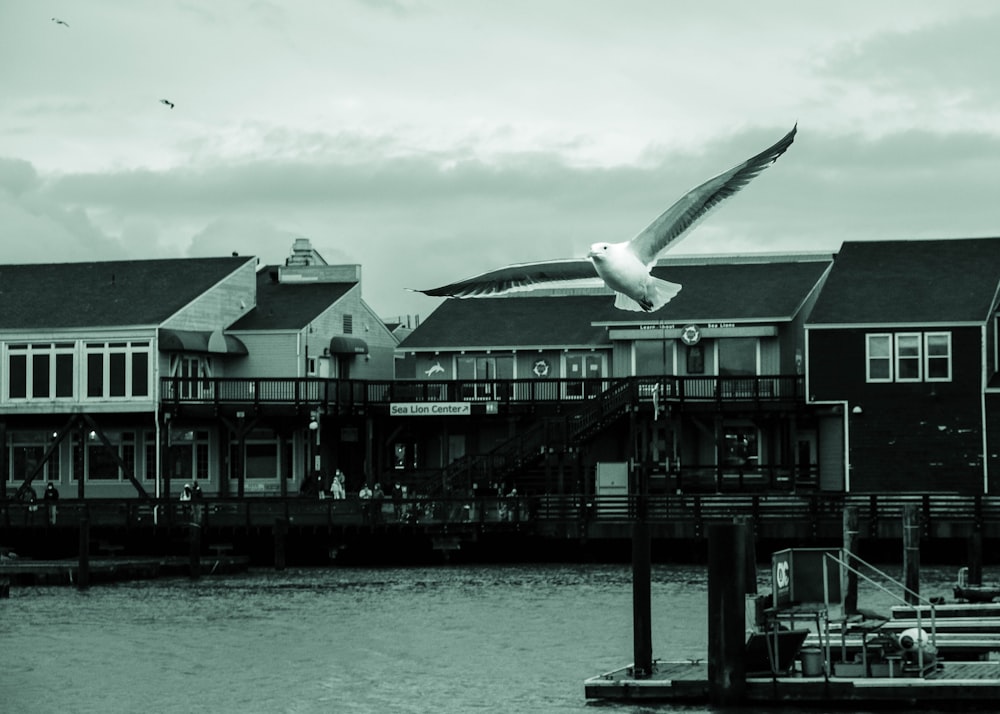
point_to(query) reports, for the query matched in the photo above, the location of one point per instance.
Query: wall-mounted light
(314, 425)
(856, 409)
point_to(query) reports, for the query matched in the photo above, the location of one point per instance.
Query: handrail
(906, 590)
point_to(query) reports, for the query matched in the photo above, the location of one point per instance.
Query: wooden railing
(940, 513)
(340, 395)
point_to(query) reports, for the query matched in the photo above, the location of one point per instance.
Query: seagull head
(599, 251)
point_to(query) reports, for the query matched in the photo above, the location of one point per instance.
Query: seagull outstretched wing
(522, 275)
(697, 202)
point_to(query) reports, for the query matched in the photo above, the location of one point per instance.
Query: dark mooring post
(726, 613)
(850, 521)
(194, 548)
(911, 552)
(83, 570)
(280, 532)
(642, 629)
(976, 557)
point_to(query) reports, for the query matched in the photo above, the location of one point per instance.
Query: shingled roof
(289, 306)
(108, 293)
(910, 281)
(742, 291)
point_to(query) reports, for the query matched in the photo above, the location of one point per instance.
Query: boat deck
(968, 683)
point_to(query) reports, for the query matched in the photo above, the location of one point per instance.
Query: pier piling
(726, 613)
(280, 531)
(911, 552)
(194, 549)
(642, 637)
(850, 545)
(975, 557)
(83, 571)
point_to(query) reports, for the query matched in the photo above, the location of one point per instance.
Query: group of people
(324, 486)
(373, 499)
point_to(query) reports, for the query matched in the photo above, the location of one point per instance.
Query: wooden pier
(23, 571)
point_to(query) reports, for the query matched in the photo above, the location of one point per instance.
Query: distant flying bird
(167, 102)
(625, 267)
(59, 22)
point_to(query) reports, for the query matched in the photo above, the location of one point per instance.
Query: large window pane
(654, 357)
(738, 357)
(140, 374)
(95, 375)
(18, 376)
(64, 375)
(40, 376)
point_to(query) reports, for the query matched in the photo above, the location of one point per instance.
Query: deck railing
(354, 394)
(940, 512)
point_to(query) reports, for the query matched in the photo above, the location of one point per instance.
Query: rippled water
(444, 639)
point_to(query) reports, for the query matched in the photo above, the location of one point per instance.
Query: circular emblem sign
(690, 335)
(541, 368)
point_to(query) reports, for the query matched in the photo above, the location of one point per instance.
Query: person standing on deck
(366, 503)
(50, 496)
(337, 490)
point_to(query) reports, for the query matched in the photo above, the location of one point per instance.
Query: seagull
(625, 267)
(167, 102)
(59, 22)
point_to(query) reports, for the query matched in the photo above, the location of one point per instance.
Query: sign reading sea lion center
(430, 409)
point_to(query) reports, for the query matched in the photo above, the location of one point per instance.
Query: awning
(344, 345)
(197, 341)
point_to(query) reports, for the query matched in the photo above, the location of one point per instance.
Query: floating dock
(797, 652)
(688, 683)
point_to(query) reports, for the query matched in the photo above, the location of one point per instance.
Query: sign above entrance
(441, 408)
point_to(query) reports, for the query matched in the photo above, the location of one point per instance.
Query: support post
(642, 638)
(83, 569)
(976, 557)
(194, 546)
(850, 584)
(911, 552)
(280, 531)
(726, 613)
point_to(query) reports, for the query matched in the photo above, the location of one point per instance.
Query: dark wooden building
(902, 350)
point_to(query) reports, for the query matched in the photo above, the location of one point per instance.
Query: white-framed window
(41, 370)
(25, 453)
(117, 370)
(878, 356)
(189, 452)
(909, 357)
(937, 356)
(99, 464)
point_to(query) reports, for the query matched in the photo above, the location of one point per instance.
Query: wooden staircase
(524, 450)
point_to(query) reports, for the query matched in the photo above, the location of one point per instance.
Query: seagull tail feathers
(658, 293)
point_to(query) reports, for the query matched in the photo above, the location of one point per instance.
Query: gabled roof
(105, 294)
(910, 281)
(741, 291)
(512, 321)
(288, 306)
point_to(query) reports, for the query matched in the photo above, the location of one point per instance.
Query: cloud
(421, 220)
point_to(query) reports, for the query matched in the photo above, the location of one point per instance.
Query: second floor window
(40, 371)
(117, 369)
(908, 357)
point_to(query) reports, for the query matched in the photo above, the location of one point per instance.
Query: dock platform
(953, 683)
(25, 571)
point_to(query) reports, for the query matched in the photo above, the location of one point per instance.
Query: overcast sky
(429, 140)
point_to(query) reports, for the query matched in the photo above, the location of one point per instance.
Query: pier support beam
(642, 637)
(280, 531)
(850, 584)
(83, 571)
(975, 558)
(194, 548)
(726, 613)
(911, 552)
